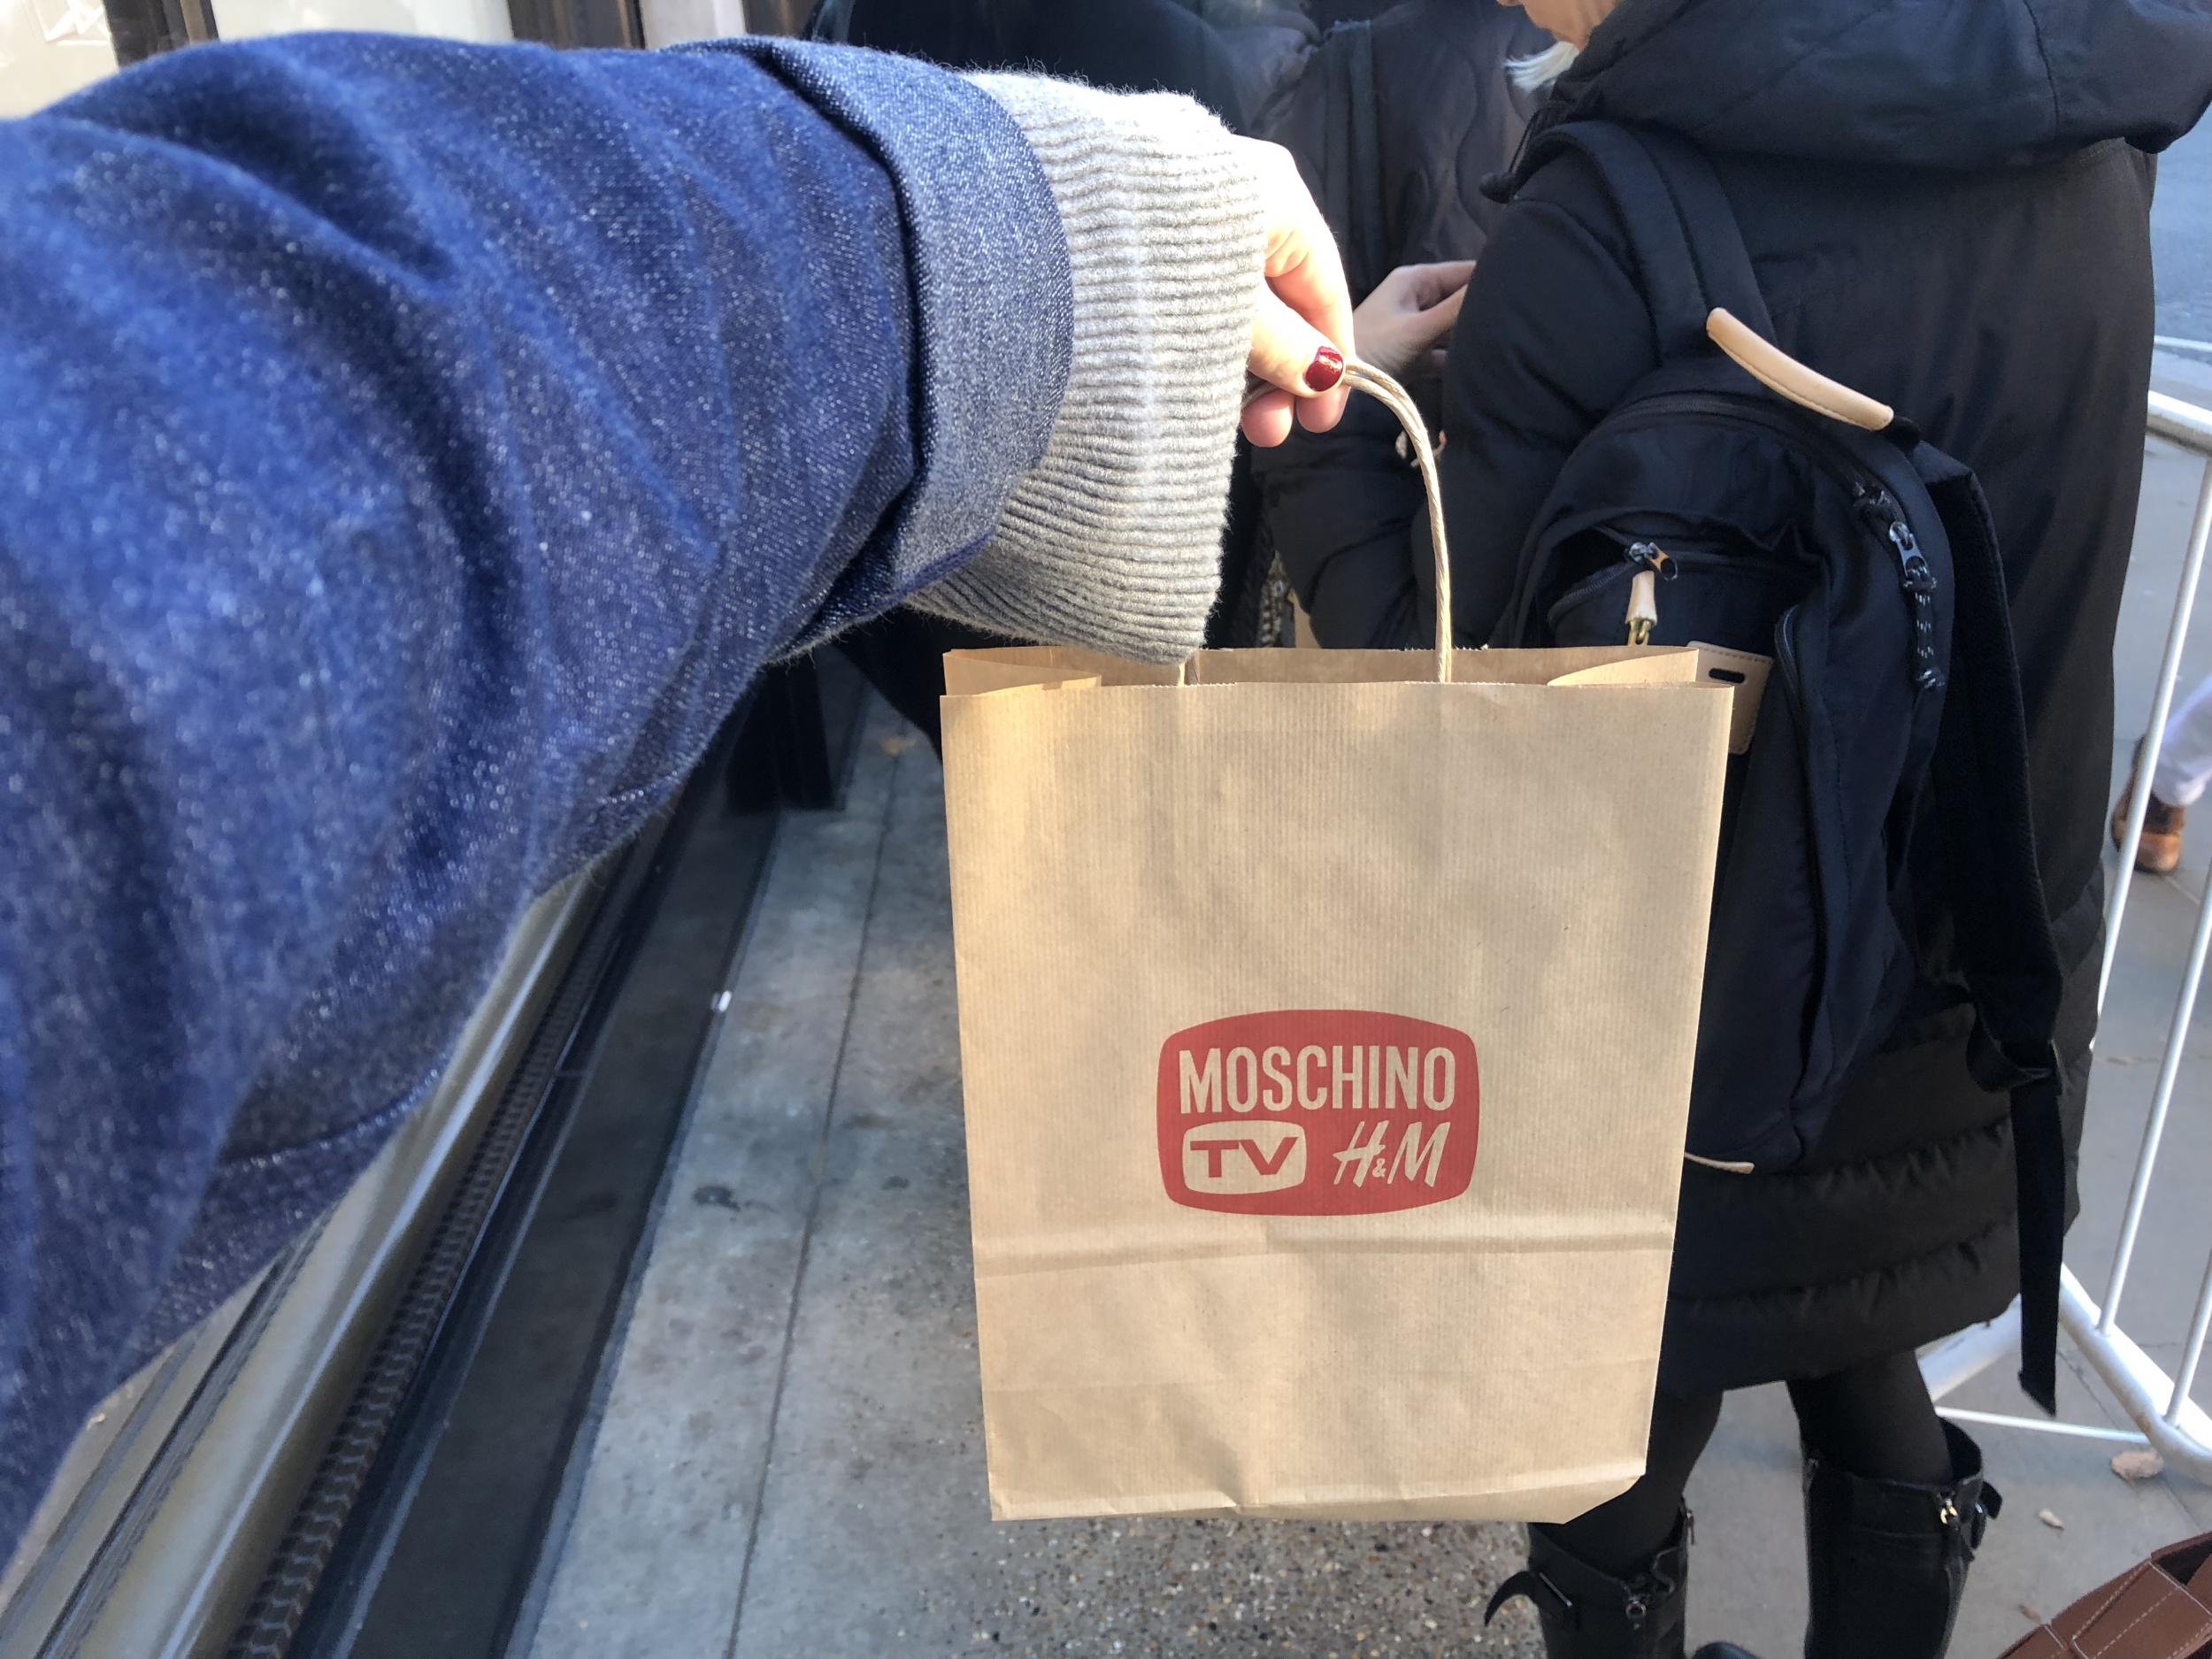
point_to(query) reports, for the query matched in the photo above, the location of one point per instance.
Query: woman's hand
(1410, 313)
(1305, 319)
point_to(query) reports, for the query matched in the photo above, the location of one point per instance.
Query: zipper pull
(1911, 562)
(1917, 582)
(1643, 607)
(1652, 563)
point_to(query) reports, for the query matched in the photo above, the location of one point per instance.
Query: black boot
(1886, 1560)
(1587, 1614)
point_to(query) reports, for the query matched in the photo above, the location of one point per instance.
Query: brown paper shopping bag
(1350, 1192)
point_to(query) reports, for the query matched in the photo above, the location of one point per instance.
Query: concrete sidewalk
(789, 1463)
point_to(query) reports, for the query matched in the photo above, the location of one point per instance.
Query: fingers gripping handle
(1393, 396)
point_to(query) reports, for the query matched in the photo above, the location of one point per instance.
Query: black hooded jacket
(1947, 203)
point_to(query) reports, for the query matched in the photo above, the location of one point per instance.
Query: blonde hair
(1534, 73)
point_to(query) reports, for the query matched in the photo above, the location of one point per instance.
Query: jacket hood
(1932, 83)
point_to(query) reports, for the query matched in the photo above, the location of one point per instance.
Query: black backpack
(1889, 759)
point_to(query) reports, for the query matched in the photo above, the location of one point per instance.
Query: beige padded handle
(1783, 374)
(1394, 397)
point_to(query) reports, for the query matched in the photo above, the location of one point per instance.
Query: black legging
(1874, 1419)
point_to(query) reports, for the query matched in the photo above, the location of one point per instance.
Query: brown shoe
(2159, 855)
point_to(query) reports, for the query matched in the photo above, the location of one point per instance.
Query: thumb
(1426, 328)
(1445, 312)
(1434, 282)
(1289, 352)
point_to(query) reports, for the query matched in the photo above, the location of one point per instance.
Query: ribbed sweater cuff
(1113, 540)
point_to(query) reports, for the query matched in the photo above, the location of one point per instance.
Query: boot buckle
(1537, 1588)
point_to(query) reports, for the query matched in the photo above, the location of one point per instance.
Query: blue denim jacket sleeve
(407, 452)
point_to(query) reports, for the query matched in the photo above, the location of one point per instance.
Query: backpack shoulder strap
(2002, 924)
(1689, 249)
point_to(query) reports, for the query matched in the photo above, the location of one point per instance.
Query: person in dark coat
(1446, 115)
(1227, 54)
(1947, 207)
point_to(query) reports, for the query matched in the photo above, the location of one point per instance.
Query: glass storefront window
(456, 19)
(49, 48)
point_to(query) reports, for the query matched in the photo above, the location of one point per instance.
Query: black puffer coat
(1446, 117)
(1230, 54)
(1947, 207)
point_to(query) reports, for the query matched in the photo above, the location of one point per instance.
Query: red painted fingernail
(1326, 369)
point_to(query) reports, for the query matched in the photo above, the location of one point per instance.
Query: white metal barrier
(2166, 1418)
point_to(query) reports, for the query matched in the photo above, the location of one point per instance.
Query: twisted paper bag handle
(1367, 378)
(1395, 397)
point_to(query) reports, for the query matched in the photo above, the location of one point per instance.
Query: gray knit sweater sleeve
(1113, 540)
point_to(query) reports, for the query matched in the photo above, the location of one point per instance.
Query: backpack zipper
(1915, 579)
(1641, 556)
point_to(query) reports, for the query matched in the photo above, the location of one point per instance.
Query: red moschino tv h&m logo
(1328, 1112)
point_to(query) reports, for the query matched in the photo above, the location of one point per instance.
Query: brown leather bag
(2162, 1610)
